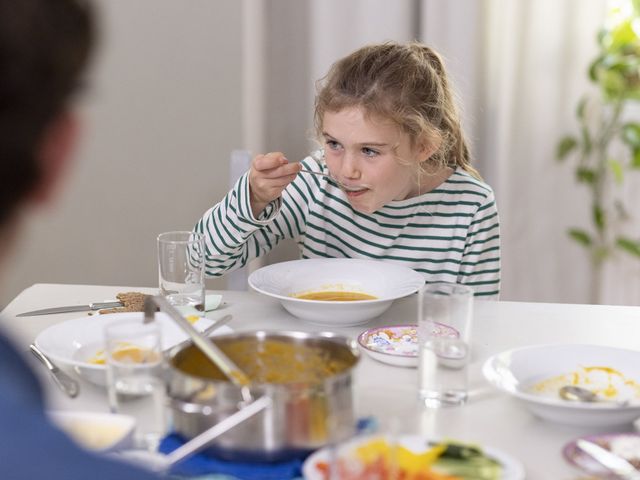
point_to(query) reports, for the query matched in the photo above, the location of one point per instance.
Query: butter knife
(72, 308)
(615, 463)
(67, 384)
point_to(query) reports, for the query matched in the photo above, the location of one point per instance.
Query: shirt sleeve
(233, 236)
(480, 268)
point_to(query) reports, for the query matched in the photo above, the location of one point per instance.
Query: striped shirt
(450, 234)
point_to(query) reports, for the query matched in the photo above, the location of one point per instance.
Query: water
(141, 396)
(443, 372)
(183, 295)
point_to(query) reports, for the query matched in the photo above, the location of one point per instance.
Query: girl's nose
(350, 168)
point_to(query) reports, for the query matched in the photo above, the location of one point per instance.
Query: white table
(490, 417)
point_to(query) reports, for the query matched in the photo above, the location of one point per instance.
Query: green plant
(608, 144)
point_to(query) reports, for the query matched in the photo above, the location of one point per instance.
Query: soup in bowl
(336, 291)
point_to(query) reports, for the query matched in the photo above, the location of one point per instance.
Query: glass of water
(135, 378)
(181, 268)
(445, 312)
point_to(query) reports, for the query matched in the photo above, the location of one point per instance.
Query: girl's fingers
(269, 161)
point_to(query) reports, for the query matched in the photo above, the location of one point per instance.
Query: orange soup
(335, 296)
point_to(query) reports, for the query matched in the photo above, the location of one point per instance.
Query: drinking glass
(181, 268)
(445, 313)
(135, 378)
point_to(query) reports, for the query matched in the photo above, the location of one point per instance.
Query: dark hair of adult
(44, 47)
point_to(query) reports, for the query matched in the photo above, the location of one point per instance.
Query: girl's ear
(54, 155)
(426, 147)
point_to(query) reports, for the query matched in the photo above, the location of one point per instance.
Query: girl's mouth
(354, 191)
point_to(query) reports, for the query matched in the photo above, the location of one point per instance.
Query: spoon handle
(321, 174)
(67, 384)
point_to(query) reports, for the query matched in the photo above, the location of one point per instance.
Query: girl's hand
(268, 177)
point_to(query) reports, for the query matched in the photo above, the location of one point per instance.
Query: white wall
(162, 115)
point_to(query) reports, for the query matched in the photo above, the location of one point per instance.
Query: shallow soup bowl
(78, 344)
(357, 290)
(535, 374)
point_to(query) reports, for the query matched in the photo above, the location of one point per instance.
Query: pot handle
(198, 442)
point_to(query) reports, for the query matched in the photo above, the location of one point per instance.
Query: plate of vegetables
(411, 457)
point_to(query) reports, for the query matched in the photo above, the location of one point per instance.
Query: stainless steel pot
(306, 413)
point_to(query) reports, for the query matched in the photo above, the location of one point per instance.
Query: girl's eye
(369, 152)
(332, 144)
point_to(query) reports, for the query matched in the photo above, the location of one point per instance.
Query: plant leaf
(580, 110)
(599, 217)
(629, 245)
(617, 170)
(566, 145)
(585, 175)
(580, 236)
(635, 161)
(595, 65)
(587, 144)
(631, 134)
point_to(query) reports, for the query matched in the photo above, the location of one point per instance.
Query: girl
(397, 184)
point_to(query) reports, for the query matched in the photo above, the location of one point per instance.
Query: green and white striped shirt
(450, 234)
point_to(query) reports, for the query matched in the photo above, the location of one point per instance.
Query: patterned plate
(397, 344)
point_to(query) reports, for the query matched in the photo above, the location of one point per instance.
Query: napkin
(216, 469)
(211, 302)
(202, 464)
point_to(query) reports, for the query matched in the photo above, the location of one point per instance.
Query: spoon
(331, 177)
(574, 393)
(67, 384)
(318, 156)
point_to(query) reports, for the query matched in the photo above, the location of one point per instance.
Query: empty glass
(445, 313)
(135, 378)
(181, 268)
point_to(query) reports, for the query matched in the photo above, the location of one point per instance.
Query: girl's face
(363, 152)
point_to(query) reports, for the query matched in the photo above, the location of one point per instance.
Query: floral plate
(397, 344)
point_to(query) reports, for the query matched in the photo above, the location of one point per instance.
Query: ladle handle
(200, 441)
(211, 351)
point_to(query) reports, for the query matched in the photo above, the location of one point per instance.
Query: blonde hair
(406, 83)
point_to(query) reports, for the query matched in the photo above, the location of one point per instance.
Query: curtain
(519, 68)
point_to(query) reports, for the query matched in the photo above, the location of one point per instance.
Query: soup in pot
(269, 361)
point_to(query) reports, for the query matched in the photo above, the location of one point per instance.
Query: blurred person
(44, 46)
(400, 184)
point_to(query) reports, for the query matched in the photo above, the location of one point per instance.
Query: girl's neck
(432, 180)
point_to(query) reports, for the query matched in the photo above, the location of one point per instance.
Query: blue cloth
(31, 448)
(201, 464)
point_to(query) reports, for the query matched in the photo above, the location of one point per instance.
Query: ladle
(211, 351)
(161, 463)
(206, 332)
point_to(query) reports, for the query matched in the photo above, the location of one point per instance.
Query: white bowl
(520, 372)
(101, 432)
(383, 280)
(74, 342)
